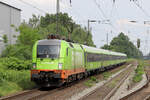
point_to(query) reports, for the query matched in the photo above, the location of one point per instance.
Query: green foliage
(67, 28)
(28, 35)
(34, 21)
(17, 64)
(48, 19)
(137, 78)
(107, 47)
(38, 28)
(5, 39)
(123, 44)
(106, 75)
(91, 81)
(139, 71)
(12, 81)
(138, 43)
(51, 29)
(22, 52)
(23, 49)
(8, 88)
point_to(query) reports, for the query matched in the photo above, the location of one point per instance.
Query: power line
(111, 12)
(39, 9)
(73, 11)
(99, 7)
(114, 10)
(140, 7)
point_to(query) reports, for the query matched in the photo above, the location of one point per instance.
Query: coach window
(106, 57)
(99, 57)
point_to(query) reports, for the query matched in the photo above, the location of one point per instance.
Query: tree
(67, 28)
(22, 52)
(39, 27)
(23, 48)
(107, 47)
(5, 39)
(121, 43)
(138, 43)
(34, 21)
(28, 35)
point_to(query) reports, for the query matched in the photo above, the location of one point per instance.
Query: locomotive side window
(47, 51)
(67, 51)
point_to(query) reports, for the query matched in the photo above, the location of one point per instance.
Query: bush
(17, 64)
(12, 81)
(106, 75)
(139, 71)
(18, 51)
(91, 82)
(93, 79)
(8, 88)
(137, 78)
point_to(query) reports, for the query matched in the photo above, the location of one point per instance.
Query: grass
(91, 81)
(12, 81)
(7, 87)
(106, 75)
(139, 71)
(112, 84)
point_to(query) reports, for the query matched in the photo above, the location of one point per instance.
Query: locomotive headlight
(60, 66)
(34, 65)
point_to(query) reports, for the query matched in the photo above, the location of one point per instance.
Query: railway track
(40, 94)
(101, 94)
(28, 95)
(117, 86)
(142, 93)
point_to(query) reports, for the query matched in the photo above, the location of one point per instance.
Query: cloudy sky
(119, 13)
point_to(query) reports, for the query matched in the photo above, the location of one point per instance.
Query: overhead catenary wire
(99, 7)
(141, 8)
(114, 10)
(76, 14)
(39, 9)
(111, 12)
(101, 10)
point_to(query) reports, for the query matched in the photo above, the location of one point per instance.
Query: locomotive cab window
(48, 51)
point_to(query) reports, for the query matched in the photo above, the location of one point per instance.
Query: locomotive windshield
(47, 51)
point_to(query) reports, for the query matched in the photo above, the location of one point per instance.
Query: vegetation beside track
(91, 81)
(139, 71)
(14, 76)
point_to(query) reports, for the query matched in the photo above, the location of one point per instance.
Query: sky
(119, 13)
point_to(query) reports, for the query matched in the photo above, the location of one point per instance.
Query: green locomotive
(56, 62)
